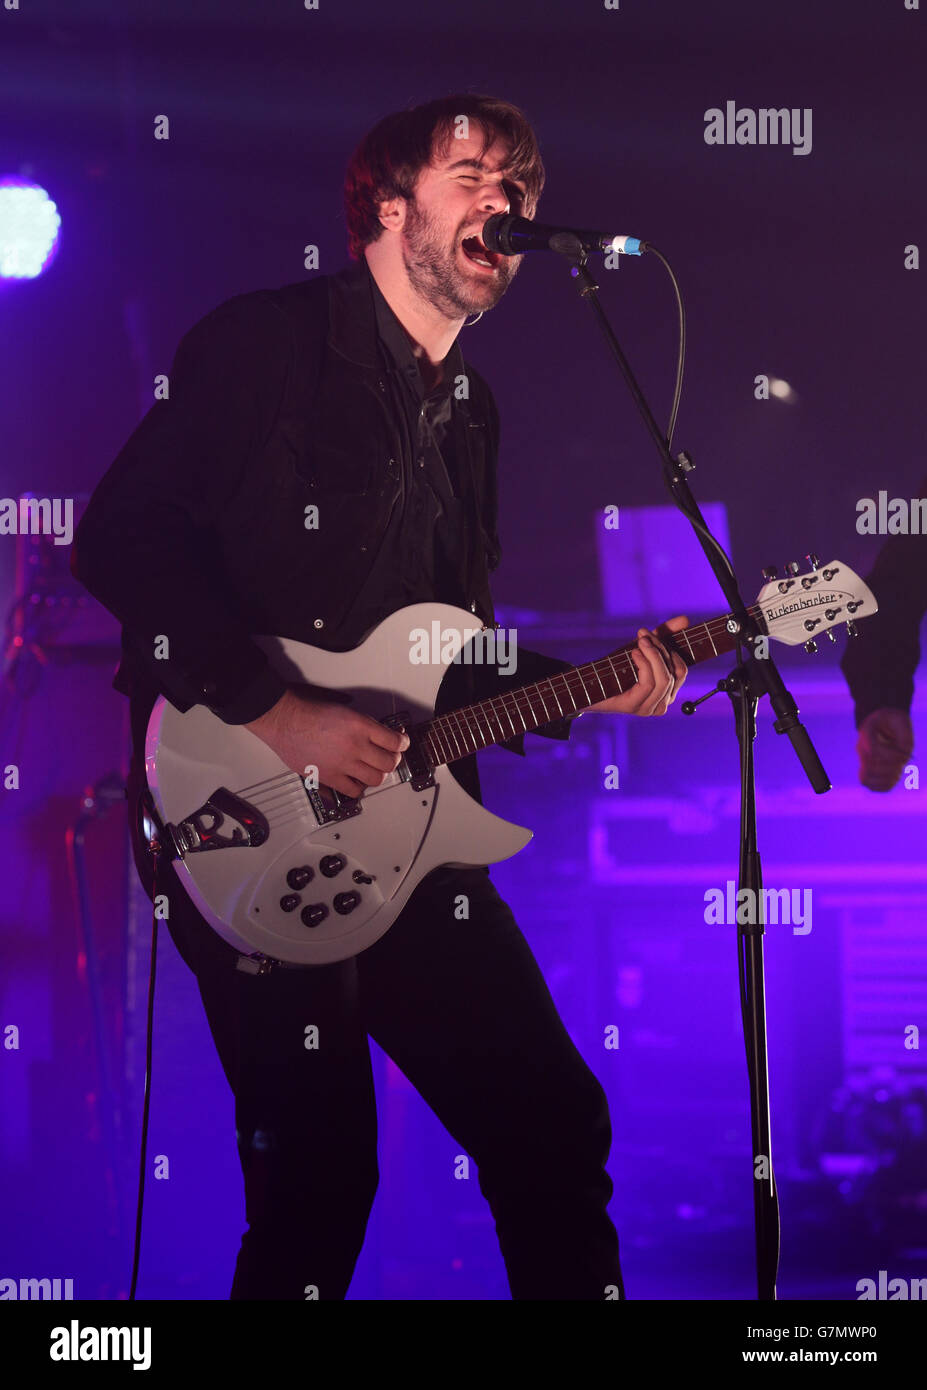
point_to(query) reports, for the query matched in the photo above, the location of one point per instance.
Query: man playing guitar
(343, 393)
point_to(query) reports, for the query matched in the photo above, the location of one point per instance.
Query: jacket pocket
(346, 443)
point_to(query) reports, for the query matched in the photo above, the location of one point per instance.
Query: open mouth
(475, 251)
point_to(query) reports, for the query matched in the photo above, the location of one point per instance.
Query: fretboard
(458, 733)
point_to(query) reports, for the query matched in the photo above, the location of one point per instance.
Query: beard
(434, 269)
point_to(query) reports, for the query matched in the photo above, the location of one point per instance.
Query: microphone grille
(494, 238)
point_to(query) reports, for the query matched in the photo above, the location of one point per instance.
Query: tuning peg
(852, 629)
(812, 560)
(792, 567)
(770, 573)
(831, 636)
(811, 646)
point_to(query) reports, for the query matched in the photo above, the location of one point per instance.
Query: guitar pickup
(333, 806)
(415, 767)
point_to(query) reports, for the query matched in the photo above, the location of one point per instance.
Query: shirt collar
(396, 340)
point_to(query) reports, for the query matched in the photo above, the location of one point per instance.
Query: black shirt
(421, 557)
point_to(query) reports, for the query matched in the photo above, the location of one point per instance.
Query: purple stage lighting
(29, 223)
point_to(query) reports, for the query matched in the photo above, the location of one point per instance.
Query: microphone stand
(751, 678)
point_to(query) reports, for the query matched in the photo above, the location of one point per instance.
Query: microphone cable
(155, 847)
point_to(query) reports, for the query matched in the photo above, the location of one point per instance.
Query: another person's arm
(880, 662)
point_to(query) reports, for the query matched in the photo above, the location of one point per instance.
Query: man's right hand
(885, 743)
(350, 750)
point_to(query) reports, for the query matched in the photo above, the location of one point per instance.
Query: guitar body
(359, 862)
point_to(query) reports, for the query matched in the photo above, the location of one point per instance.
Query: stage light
(29, 223)
(781, 390)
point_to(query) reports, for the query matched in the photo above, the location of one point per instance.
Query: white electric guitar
(287, 871)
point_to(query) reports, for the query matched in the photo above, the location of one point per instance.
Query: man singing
(344, 391)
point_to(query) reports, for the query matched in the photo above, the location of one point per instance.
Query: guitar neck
(458, 733)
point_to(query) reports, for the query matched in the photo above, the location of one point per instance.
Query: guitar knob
(298, 878)
(314, 914)
(290, 902)
(770, 573)
(792, 567)
(346, 902)
(812, 560)
(332, 864)
(811, 646)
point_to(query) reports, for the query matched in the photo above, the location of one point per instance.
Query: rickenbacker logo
(817, 600)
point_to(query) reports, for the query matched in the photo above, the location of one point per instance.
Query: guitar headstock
(800, 607)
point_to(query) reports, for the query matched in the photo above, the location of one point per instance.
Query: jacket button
(319, 622)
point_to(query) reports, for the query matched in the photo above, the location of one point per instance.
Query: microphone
(509, 235)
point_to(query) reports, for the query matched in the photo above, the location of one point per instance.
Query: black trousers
(461, 1007)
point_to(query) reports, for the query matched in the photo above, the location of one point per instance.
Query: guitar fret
(493, 720)
(444, 743)
(460, 741)
(463, 723)
(478, 710)
(556, 698)
(617, 677)
(508, 716)
(451, 734)
(595, 667)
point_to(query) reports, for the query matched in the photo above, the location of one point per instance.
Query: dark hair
(389, 159)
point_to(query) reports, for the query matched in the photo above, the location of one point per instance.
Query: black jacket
(196, 532)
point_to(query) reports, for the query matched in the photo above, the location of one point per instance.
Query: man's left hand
(660, 673)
